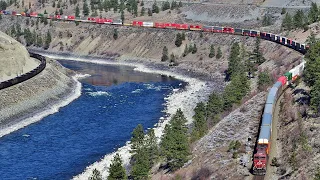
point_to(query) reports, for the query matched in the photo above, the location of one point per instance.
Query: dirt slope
(14, 58)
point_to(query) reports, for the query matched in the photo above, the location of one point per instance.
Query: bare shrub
(202, 174)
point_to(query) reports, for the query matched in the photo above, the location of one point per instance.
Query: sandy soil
(14, 58)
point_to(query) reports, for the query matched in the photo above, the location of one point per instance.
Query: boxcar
(266, 120)
(207, 28)
(238, 31)
(217, 29)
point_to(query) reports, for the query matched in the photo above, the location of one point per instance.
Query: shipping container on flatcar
(159, 25)
(228, 30)
(254, 33)
(137, 23)
(271, 95)
(208, 28)
(108, 21)
(289, 42)
(273, 37)
(217, 29)
(267, 120)
(293, 44)
(298, 46)
(246, 32)
(195, 27)
(268, 36)
(278, 39)
(57, 17)
(263, 35)
(33, 14)
(23, 14)
(99, 20)
(283, 40)
(14, 13)
(238, 31)
(117, 22)
(182, 26)
(170, 25)
(147, 24)
(264, 136)
(71, 18)
(288, 75)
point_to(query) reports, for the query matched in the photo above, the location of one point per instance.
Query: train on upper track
(262, 151)
(164, 25)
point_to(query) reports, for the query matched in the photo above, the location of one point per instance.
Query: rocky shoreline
(23, 103)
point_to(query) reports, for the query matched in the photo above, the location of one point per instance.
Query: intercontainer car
(254, 33)
(33, 14)
(159, 25)
(71, 18)
(238, 31)
(208, 28)
(170, 25)
(108, 21)
(228, 30)
(246, 32)
(217, 29)
(182, 26)
(273, 38)
(117, 22)
(147, 24)
(195, 27)
(137, 23)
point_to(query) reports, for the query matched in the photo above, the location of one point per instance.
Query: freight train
(262, 151)
(164, 25)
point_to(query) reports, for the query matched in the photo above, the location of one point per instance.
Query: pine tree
(96, 175)
(116, 170)
(298, 19)
(142, 11)
(13, 31)
(172, 58)
(214, 106)
(180, 4)
(311, 72)
(178, 41)
(315, 95)
(54, 4)
(86, 9)
(149, 12)
(165, 54)
(142, 3)
(137, 138)
(77, 11)
(234, 60)
(212, 51)
(283, 11)
(194, 49)
(165, 6)
(141, 165)
(122, 16)
(287, 22)
(200, 125)
(263, 80)
(257, 55)
(266, 21)
(183, 36)
(313, 13)
(152, 147)
(174, 144)
(48, 40)
(155, 8)
(61, 11)
(115, 34)
(219, 53)
(39, 41)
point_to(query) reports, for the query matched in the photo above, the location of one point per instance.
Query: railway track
(258, 178)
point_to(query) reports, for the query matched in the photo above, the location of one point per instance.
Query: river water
(114, 100)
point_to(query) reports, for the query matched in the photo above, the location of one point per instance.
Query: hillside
(14, 59)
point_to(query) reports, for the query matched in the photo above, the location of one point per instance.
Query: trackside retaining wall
(27, 75)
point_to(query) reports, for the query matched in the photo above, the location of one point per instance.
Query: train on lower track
(262, 151)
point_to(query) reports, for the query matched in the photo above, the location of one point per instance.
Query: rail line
(263, 143)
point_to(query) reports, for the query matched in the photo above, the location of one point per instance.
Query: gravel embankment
(53, 85)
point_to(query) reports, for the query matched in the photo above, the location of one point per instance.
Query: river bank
(30, 101)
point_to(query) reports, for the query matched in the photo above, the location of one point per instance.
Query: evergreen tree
(287, 22)
(178, 41)
(48, 40)
(172, 58)
(141, 166)
(85, 8)
(149, 12)
(152, 147)
(311, 72)
(155, 8)
(190, 48)
(122, 16)
(174, 144)
(142, 11)
(165, 6)
(283, 11)
(214, 106)
(77, 11)
(313, 13)
(263, 80)
(257, 55)
(219, 53)
(266, 21)
(54, 4)
(186, 51)
(315, 95)
(137, 138)
(165, 54)
(141, 4)
(200, 126)
(13, 31)
(234, 60)
(39, 41)
(183, 36)
(194, 49)
(96, 175)
(180, 4)
(212, 51)
(61, 11)
(298, 19)
(173, 5)
(115, 34)
(116, 170)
